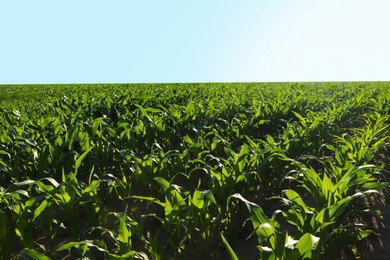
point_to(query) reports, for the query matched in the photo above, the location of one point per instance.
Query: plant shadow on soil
(379, 246)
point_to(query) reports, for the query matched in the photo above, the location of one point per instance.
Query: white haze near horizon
(194, 41)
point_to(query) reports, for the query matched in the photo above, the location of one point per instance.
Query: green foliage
(176, 171)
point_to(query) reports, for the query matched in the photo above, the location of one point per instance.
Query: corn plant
(186, 170)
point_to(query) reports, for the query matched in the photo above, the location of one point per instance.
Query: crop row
(187, 171)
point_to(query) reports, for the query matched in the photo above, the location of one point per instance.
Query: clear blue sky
(194, 41)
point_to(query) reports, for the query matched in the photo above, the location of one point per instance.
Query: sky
(46, 42)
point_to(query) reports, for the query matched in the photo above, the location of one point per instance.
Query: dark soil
(379, 246)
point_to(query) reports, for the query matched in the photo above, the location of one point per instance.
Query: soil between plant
(380, 245)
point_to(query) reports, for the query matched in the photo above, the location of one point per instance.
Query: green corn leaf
(149, 199)
(188, 140)
(23, 183)
(339, 208)
(123, 232)
(229, 249)
(252, 144)
(290, 242)
(266, 233)
(4, 164)
(294, 217)
(209, 195)
(313, 184)
(85, 245)
(129, 255)
(375, 185)
(32, 254)
(143, 111)
(173, 200)
(68, 246)
(267, 253)
(72, 136)
(296, 199)
(301, 119)
(52, 181)
(163, 183)
(171, 192)
(30, 202)
(5, 153)
(40, 209)
(245, 149)
(249, 204)
(198, 199)
(363, 234)
(21, 192)
(153, 110)
(306, 244)
(80, 160)
(92, 187)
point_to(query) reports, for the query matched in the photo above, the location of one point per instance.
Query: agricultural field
(184, 171)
